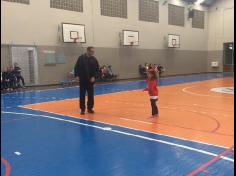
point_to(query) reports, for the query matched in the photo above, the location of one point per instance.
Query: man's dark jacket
(86, 67)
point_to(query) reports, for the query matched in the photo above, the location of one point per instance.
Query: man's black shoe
(90, 111)
(82, 113)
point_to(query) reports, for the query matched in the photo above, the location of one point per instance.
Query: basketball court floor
(43, 133)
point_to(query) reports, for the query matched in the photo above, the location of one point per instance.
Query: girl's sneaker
(155, 116)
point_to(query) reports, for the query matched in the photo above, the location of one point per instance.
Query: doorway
(228, 57)
(27, 59)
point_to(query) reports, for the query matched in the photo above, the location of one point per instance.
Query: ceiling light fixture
(199, 1)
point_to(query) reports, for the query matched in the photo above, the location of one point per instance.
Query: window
(149, 10)
(19, 1)
(71, 5)
(176, 15)
(114, 8)
(198, 19)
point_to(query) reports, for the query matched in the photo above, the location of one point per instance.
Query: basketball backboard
(173, 41)
(71, 32)
(130, 38)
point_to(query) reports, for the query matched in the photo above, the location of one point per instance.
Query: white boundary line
(42, 90)
(188, 140)
(118, 83)
(196, 94)
(136, 121)
(125, 133)
(14, 120)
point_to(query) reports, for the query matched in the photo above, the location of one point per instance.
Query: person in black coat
(5, 80)
(9, 79)
(161, 69)
(86, 70)
(18, 75)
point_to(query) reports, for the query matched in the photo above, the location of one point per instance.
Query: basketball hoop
(174, 42)
(131, 43)
(76, 40)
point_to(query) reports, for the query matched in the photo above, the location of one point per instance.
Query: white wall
(220, 30)
(37, 24)
(220, 24)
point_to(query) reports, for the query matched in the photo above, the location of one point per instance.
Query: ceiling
(208, 2)
(204, 3)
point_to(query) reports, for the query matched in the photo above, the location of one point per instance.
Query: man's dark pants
(89, 88)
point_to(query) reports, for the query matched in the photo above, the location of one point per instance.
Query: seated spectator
(142, 70)
(72, 73)
(114, 76)
(9, 79)
(2, 86)
(161, 69)
(12, 77)
(18, 75)
(146, 66)
(110, 72)
(104, 72)
(4, 80)
(70, 79)
(150, 66)
(154, 67)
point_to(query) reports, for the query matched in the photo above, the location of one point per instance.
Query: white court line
(96, 85)
(197, 94)
(136, 121)
(42, 90)
(125, 133)
(193, 82)
(14, 120)
(189, 140)
(17, 153)
(121, 82)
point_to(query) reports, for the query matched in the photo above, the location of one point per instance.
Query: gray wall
(175, 61)
(5, 56)
(124, 61)
(37, 25)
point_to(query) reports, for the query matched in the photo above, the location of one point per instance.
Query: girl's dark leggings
(154, 106)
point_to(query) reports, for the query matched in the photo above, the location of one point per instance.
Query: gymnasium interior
(189, 42)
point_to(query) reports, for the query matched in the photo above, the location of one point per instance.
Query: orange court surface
(188, 111)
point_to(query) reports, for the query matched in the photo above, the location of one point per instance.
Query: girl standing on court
(152, 83)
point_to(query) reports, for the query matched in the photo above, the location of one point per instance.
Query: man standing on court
(86, 70)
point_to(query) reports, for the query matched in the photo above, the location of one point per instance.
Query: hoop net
(76, 40)
(174, 43)
(132, 43)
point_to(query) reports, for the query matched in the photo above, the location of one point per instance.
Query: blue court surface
(37, 143)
